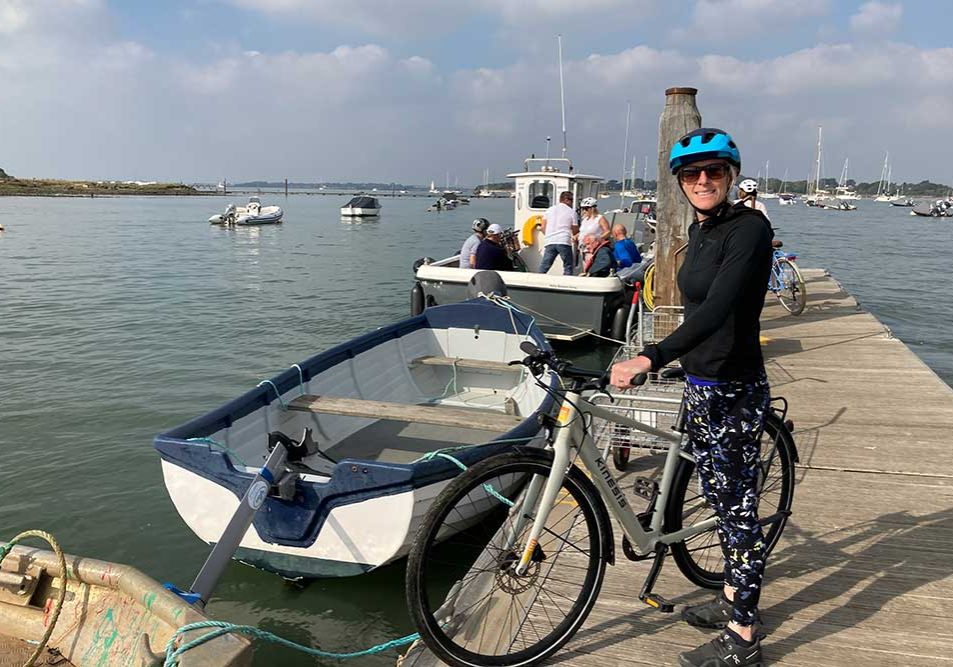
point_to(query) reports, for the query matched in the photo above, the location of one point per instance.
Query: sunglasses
(715, 172)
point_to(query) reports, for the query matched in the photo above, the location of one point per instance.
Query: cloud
(89, 103)
(717, 20)
(876, 18)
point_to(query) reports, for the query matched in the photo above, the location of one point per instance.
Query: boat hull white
(353, 212)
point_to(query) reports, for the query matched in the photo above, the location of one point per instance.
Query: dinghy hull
(433, 381)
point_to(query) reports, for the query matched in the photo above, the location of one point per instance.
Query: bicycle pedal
(646, 488)
(656, 601)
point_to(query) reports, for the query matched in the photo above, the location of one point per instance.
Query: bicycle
(510, 558)
(786, 281)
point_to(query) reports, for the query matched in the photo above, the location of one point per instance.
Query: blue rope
(172, 654)
(300, 378)
(277, 393)
(486, 487)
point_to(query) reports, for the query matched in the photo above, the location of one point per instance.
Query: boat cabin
(537, 188)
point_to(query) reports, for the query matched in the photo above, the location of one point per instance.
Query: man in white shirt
(560, 224)
(748, 191)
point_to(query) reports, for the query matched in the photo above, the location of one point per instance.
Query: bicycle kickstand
(646, 595)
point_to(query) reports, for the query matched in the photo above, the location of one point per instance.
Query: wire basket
(655, 411)
(654, 325)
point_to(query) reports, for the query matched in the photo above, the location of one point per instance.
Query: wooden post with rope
(679, 117)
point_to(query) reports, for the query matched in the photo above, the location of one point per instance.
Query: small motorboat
(379, 407)
(111, 614)
(907, 203)
(938, 209)
(361, 206)
(253, 213)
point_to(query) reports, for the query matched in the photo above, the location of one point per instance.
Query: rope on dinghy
(60, 598)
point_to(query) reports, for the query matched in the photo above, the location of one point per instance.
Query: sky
(431, 90)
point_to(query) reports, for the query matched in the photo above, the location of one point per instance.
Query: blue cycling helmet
(705, 143)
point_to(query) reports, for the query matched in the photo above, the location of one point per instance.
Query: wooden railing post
(674, 215)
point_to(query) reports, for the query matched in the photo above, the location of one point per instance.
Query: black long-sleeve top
(723, 281)
(492, 256)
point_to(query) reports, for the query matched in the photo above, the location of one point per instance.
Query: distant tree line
(333, 185)
(4, 174)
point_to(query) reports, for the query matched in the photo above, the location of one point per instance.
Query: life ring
(529, 227)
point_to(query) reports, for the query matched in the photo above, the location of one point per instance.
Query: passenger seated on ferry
(600, 262)
(624, 249)
(490, 254)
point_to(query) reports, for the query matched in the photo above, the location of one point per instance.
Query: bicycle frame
(572, 436)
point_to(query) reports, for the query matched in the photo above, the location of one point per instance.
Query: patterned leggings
(724, 425)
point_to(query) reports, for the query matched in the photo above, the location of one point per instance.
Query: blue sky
(364, 89)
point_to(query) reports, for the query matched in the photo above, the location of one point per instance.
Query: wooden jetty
(863, 574)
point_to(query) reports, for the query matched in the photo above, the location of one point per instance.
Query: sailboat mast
(817, 169)
(562, 90)
(625, 152)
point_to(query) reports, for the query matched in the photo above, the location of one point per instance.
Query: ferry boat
(566, 307)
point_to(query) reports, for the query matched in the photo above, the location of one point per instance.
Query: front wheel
(469, 603)
(790, 288)
(700, 557)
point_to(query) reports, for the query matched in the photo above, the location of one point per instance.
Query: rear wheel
(700, 557)
(791, 291)
(467, 599)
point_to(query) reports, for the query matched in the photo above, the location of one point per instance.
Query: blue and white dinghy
(377, 407)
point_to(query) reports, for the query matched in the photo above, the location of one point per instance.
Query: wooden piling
(286, 187)
(674, 215)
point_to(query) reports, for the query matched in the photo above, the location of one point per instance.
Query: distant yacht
(433, 189)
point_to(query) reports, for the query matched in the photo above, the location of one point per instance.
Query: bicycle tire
(453, 638)
(700, 558)
(648, 288)
(791, 291)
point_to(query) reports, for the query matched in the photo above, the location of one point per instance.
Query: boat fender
(417, 299)
(529, 227)
(485, 282)
(619, 322)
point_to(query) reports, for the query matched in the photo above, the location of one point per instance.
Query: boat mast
(766, 188)
(883, 175)
(817, 169)
(562, 91)
(843, 174)
(625, 152)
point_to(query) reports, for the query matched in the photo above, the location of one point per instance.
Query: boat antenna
(547, 152)
(562, 90)
(625, 152)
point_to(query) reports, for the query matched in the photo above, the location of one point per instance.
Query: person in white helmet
(592, 224)
(748, 194)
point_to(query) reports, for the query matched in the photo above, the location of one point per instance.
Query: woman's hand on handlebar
(624, 372)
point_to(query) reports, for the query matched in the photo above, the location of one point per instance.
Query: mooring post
(674, 215)
(286, 187)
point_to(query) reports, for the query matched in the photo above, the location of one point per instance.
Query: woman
(722, 281)
(592, 223)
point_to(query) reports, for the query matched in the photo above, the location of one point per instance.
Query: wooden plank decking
(863, 575)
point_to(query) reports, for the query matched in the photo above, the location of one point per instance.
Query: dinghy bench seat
(467, 364)
(437, 415)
